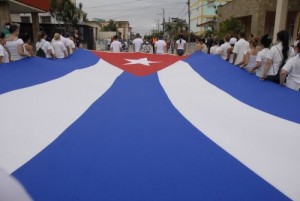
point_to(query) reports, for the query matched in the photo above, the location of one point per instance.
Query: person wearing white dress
(45, 45)
(4, 55)
(59, 47)
(14, 44)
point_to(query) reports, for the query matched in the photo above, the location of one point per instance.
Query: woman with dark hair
(14, 44)
(201, 46)
(44, 45)
(180, 45)
(261, 58)
(4, 54)
(277, 56)
(292, 68)
(28, 49)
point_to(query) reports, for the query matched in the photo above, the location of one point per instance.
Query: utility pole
(164, 22)
(189, 25)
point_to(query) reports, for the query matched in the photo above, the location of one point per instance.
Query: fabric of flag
(134, 126)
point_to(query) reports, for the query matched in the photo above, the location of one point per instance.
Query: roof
(206, 23)
(28, 6)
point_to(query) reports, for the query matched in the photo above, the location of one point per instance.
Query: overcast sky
(143, 15)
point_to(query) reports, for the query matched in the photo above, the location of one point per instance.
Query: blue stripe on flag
(132, 144)
(263, 95)
(29, 72)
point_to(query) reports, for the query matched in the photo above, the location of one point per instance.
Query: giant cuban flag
(141, 127)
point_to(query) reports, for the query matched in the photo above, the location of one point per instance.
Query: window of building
(25, 19)
(45, 19)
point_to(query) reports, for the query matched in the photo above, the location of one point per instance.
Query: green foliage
(208, 33)
(111, 26)
(66, 12)
(230, 26)
(174, 28)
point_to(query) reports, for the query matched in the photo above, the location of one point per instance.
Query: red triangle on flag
(137, 63)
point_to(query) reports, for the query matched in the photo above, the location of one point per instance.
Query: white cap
(232, 41)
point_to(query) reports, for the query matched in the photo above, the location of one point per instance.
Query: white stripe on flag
(266, 144)
(34, 117)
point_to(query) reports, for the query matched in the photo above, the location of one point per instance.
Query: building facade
(124, 28)
(203, 14)
(258, 16)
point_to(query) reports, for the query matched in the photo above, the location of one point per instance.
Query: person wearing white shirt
(137, 43)
(214, 48)
(14, 44)
(240, 48)
(59, 47)
(70, 44)
(225, 47)
(63, 40)
(219, 49)
(278, 54)
(261, 58)
(230, 54)
(45, 45)
(292, 69)
(116, 46)
(4, 55)
(160, 46)
(180, 45)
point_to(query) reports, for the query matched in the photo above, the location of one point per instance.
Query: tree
(175, 27)
(111, 26)
(66, 12)
(231, 26)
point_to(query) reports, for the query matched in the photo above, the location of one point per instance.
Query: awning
(28, 6)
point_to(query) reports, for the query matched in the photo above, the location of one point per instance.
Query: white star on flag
(143, 61)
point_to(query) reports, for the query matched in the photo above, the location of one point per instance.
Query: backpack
(40, 52)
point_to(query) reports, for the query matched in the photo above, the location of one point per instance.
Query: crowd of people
(13, 47)
(279, 63)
